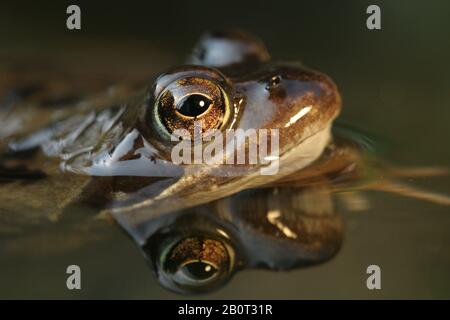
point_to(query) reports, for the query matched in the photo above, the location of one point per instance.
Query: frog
(109, 157)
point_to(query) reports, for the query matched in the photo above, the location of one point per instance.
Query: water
(394, 83)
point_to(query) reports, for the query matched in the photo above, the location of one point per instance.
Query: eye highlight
(189, 101)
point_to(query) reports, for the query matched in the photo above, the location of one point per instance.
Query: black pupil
(193, 105)
(199, 270)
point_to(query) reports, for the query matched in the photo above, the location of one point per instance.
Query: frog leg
(346, 181)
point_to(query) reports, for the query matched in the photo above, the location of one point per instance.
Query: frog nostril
(273, 82)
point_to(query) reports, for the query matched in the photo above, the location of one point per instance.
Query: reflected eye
(191, 101)
(197, 264)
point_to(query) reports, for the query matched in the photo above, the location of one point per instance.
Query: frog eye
(191, 101)
(197, 264)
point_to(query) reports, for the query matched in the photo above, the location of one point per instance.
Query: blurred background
(394, 82)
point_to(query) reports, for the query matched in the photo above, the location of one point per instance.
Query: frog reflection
(196, 227)
(199, 249)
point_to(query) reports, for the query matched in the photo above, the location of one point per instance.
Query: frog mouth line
(132, 213)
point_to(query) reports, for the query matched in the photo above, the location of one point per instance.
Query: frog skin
(112, 152)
